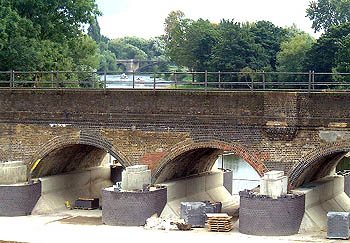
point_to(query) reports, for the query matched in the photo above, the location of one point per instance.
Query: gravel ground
(86, 226)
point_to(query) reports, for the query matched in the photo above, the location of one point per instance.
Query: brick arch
(187, 145)
(72, 139)
(3, 156)
(314, 157)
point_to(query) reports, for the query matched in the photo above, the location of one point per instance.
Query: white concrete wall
(195, 189)
(13, 172)
(58, 189)
(321, 197)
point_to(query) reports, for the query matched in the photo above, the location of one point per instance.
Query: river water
(143, 81)
(243, 175)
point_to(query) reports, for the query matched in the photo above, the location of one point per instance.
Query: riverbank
(86, 226)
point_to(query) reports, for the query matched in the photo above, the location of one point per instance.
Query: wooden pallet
(219, 222)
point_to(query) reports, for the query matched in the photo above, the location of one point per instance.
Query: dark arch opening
(317, 168)
(192, 162)
(69, 158)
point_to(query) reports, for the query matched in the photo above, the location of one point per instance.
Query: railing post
(175, 79)
(154, 81)
(313, 79)
(206, 80)
(12, 79)
(219, 80)
(263, 79)
(133, 79)
(310, 78)
(252, 83)
(105, 79)
(57, 86)
(51, 79)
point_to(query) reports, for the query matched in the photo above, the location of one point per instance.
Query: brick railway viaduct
(177, 133)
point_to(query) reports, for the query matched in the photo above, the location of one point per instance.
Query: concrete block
(135, 180)
(274, 187)
(176, 189)
(338, 225)
(273, 175)
(312, 196)
(13, 172)
(326, 190)
(137, 168)
(338, 185)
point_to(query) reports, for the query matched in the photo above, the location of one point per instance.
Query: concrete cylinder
(262, 215)
(131, 208)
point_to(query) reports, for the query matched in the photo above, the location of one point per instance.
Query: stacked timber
(219, 222)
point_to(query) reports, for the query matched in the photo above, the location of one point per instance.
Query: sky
(145, 18)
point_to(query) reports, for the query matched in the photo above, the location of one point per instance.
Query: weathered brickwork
(176, 133)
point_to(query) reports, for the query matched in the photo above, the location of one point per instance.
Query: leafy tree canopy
(46, 35)
(325, 13)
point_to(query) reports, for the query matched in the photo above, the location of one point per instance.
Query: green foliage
(326, 13)
(46, 35)
(342, 60)
(322, 56)
(228, 46)
(291, 58)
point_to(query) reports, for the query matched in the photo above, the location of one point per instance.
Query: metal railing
(206, 81)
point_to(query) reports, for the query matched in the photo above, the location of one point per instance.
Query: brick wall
(270, 130)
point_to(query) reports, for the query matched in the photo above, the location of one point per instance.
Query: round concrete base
(19, 199)
(131, 208)
(262, 215)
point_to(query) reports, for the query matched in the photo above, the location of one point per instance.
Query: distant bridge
(133, 65)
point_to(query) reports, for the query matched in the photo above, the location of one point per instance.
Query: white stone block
(274, 187)
(13, 172)
(274, 174)
(135, 180)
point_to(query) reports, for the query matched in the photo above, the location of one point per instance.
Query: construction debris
(158, 223)
(219, 222)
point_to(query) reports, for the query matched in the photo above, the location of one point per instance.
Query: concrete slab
(69, 187)
(338, 185)
(343, 201)
(319, 216)
(195, 185)
(214, 180)
(308, 224)
(331, 206)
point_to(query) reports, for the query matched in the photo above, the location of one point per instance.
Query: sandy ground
(86, 226)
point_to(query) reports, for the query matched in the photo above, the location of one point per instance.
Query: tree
(292, 56)
(325, 13)
(321, 57)
(269, 37)
(58, 19)
(46, 35)
(236, 48)
(342, 59)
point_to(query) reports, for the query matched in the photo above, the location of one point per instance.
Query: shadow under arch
(69, 140)
(318, 163)
(212, 146)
